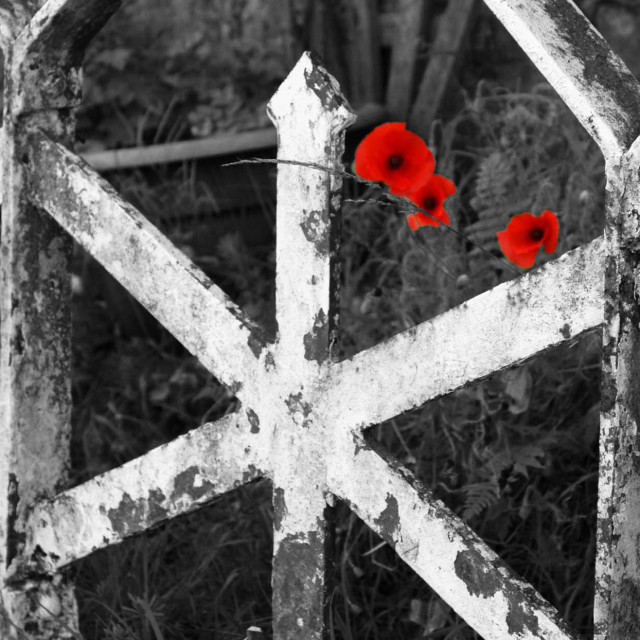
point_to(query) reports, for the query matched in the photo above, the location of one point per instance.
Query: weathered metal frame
(302, 413)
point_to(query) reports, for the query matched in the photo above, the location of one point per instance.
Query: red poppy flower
(395, 156)
(430, 197)
(525, 233)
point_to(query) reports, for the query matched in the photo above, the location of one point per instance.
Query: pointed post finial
(311, 115)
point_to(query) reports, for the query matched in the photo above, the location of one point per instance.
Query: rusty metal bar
(579, 64)
(168, 481)
(310, 114)
(42, 67)
(161, 277)
(616, 608)
(440, 548)
(490, 332)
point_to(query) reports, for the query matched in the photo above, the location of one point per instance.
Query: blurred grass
(515, 455)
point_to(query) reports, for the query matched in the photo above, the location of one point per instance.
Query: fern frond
(479, 496)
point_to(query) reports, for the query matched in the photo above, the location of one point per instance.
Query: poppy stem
(394, 198)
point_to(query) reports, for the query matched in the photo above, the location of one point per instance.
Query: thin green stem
(407, 205)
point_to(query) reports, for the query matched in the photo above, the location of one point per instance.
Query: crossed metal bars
(302, 413)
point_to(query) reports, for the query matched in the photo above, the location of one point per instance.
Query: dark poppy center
(395, 161)
(429, 203)
(536, 234)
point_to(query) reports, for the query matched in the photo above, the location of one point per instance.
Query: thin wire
(391, 196)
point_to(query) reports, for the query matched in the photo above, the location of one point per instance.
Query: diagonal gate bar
(41, 89)
(580, 65)
(441, 549)
(161, 277)
(490, 332)
(170, 480)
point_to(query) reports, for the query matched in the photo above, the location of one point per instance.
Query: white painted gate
(303, 413)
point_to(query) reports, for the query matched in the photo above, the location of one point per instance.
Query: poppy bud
(462, 281)
(584, 197)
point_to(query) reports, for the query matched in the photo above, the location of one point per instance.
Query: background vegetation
(515, 456)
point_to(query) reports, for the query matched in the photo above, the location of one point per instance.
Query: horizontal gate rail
(302, 412)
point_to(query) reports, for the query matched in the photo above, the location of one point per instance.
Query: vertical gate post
(310, 114)
(42, 88)
(617, 593)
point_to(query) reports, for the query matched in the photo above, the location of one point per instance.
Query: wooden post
(410, 25)
(444, 55)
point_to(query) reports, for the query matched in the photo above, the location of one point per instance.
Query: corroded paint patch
(388, 520)
(299, 599)
(471, 568)
(520, 619)
(315, 341)
(130, 512)
(254, 421)
(256, 344)
(14, 538)
(585, 44)
(296, 404)
(191, 483)
(323, 84)
(279, 508)
(269, 362)
(315, 227)
(251, 473)
(626, 610)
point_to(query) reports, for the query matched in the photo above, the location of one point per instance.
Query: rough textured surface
(579, 64)
(302, 414)
(452, 559)
(495, 330)
(41, 86)
(616, 613)
(161, 277)
(310, 114)
(170, 480)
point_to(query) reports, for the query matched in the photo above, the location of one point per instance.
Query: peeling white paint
(161, 277)
(492, 331)
(169, 480)
(452, 559)
(579, 64)
(302, 414)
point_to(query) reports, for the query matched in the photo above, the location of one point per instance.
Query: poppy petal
(391, 141)
(439, 214)
(520, 244)
(413, 222)
(524, 259)
(426, 221)
(448, 187)
(550, 240)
